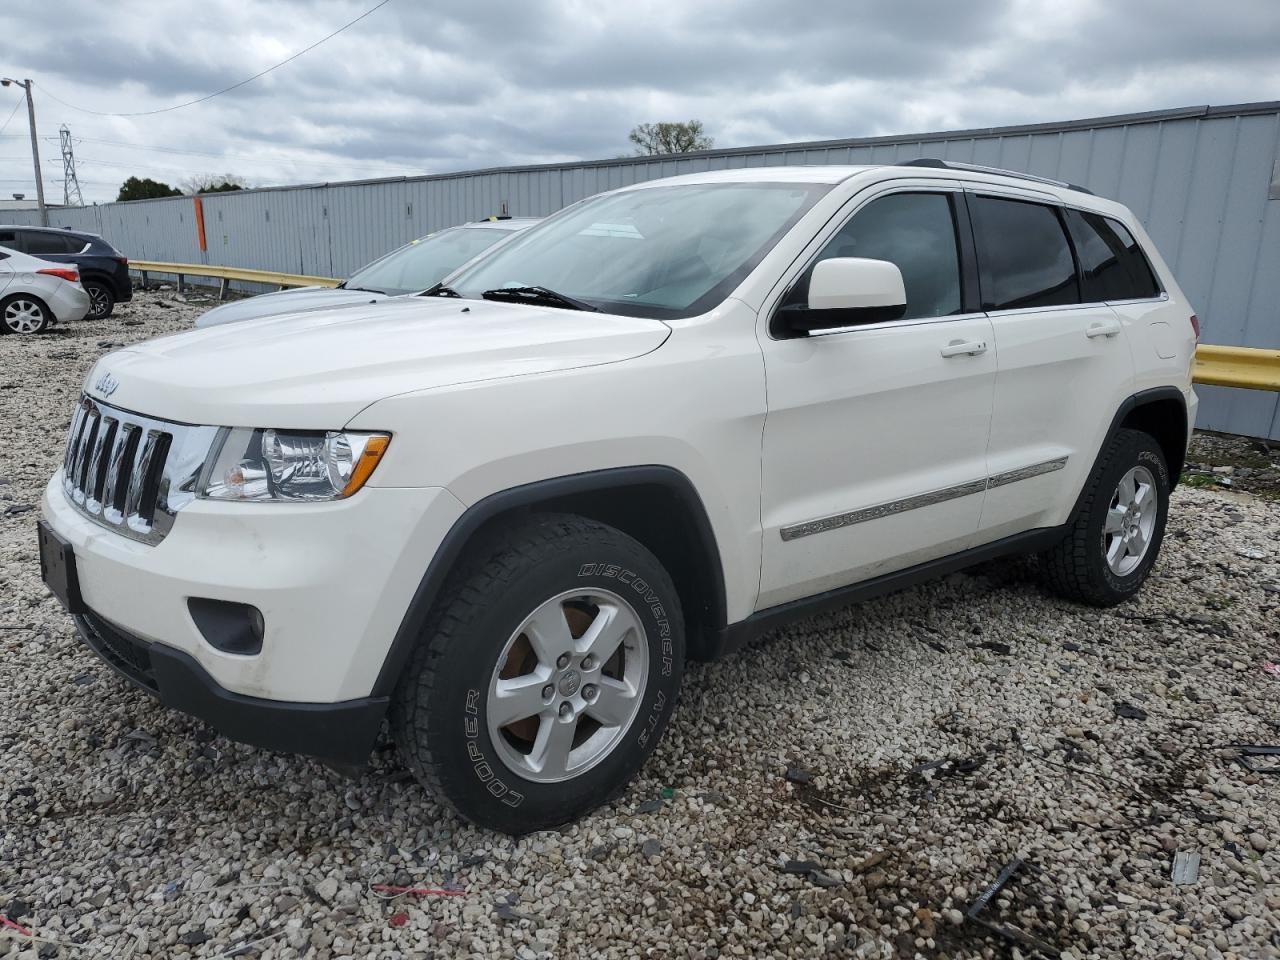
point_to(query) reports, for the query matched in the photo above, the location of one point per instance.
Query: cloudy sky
(430, 87)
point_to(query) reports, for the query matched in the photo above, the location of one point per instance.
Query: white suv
(655, 426)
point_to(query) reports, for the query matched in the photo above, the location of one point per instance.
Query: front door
(874, 451)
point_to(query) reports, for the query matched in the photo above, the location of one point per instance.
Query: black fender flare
(531, 496)
(1133, 402)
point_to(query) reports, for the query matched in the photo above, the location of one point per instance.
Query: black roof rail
(938, 164)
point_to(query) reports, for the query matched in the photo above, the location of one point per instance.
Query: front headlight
(291, 464)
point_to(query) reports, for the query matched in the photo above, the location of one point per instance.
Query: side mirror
(845, 291)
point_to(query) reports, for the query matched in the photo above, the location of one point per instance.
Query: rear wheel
(101, 300)
(546, 675)
(22, 313)
(1116, 533)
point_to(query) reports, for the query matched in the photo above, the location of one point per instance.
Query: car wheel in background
(1115, 536)
(22, 313)
(545, 677)
(101, 300)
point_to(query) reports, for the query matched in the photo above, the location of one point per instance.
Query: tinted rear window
(1145, 283)
(1112, 265)
(1023, 255)
(38, 243)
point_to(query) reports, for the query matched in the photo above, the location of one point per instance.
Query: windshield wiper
(440, 290)
(539, 296)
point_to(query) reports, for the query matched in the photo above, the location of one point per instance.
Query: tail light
(70, 274)
(1195, 326)
(123, 261)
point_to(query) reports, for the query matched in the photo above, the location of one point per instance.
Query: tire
(23, 313)
(102, 301)
(1102, 560)
(554, 576)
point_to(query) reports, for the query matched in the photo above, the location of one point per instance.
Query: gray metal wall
(1204, 180)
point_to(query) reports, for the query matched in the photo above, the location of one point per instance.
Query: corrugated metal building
(1204, 180)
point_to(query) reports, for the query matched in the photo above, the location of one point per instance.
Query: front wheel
(547, 674)
(1115, 535)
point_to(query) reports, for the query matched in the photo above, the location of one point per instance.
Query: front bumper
(332, 581)
(341, 733)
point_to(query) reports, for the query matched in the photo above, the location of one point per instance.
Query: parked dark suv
(104, 271)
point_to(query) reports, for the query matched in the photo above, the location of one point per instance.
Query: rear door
(1065, 364)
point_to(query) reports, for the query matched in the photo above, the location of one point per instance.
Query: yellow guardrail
(1247, 367)
(225, 274)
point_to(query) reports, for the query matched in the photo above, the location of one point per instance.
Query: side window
(1104, 275)
(917, 232)
(38, 243)
(9, 238)
(1145, 284)
(1024, 259)
(1112, 265)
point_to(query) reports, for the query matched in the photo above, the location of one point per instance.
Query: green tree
(676, 137)
(145, 189)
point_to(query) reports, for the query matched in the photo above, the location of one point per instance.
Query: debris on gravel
(791, 822)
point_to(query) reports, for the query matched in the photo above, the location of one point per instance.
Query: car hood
(284, 301)
(317, 370)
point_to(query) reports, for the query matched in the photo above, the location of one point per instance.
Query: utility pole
(35, 149)
(71, 196)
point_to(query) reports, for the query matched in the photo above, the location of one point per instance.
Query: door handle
(1109, 328)
(964, 348)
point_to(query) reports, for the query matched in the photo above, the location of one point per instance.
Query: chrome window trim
(893, 507)
(891, 324)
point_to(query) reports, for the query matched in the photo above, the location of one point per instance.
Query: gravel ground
(785, 814)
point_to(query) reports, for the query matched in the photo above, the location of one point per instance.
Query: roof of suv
(923, 167)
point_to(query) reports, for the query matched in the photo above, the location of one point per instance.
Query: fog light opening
(230, 627)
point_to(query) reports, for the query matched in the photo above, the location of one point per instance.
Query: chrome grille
(132, 473)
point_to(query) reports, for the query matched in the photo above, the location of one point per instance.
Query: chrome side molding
(970, 487)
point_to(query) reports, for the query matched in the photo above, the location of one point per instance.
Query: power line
(10, 117)
(231, 159)
(234, 86)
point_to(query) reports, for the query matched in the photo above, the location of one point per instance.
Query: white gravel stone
(133, 831)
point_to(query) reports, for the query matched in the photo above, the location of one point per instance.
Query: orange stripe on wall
(199, 223)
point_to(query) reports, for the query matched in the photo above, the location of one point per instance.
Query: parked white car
(35, 293)
(415, 267)
(658, 425)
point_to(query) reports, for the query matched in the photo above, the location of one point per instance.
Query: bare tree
(212, 183)
(675, 137)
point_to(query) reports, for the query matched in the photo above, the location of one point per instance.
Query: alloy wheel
(99, 302)
(1130, 521)
(568, 685)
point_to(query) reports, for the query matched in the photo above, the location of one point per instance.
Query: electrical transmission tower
(70, 185)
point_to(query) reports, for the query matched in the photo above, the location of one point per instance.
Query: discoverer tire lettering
(439, 715)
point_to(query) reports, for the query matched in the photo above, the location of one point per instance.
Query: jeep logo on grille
(106, 384)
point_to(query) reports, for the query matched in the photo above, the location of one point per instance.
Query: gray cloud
(433, 87)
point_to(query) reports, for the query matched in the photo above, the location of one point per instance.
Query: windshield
(425, 262)
(662, 252)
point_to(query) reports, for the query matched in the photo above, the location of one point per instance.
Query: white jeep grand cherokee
(656, 426)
